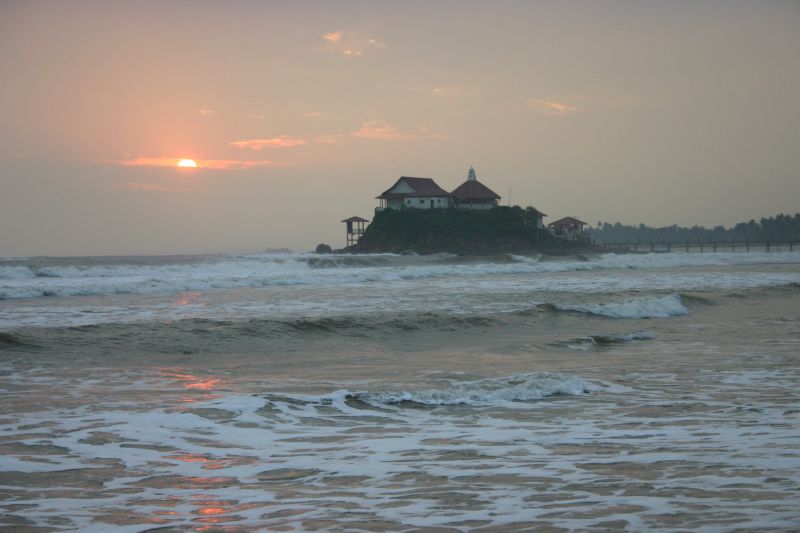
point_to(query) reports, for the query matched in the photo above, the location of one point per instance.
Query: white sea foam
(20, 281)
(647, 307)
(272, 462)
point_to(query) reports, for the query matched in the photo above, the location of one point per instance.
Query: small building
(472, 194)
(417, 193)
(568, 228)
(355, 229)
(534, 217)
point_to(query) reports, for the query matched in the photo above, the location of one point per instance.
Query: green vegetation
(779, 228)
(461, 231)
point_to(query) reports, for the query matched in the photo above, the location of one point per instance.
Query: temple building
(418, 193)
(424, 193)
(472, 194)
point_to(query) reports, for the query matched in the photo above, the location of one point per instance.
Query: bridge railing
(699, 246)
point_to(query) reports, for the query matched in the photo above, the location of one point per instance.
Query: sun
(187, 163)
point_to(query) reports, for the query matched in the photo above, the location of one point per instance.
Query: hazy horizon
(299, 114)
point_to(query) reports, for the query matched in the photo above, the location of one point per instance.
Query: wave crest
(514, 388)
(146, 275)
(647, 307)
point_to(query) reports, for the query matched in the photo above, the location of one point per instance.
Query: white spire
(471, 175)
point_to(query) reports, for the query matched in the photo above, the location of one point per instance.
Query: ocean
(303, 392)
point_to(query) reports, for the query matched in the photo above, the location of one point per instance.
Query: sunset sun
(187, 163)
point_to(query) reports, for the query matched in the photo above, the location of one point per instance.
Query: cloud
(206, 111)
(258, 116)
(284, 141)
(154, 187)
(240, 164)
(150, 162)
(550, 107)
(329, 139)
(215, 164)
(350, 44)
(313, 114)
(444, 91)
(379, 130)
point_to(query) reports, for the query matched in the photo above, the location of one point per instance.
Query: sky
(298, 114)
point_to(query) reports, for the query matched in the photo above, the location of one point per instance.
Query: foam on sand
(644, 456)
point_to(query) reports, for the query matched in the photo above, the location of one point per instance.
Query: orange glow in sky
(111, 102)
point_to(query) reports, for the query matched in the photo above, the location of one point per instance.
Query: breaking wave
(97, 276)
(612, 339)
(515, 388)
(482, 392)
(647, 307)
(202, 335)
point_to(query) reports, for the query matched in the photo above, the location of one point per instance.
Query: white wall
(424, 202)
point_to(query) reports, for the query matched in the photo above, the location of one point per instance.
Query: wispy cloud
(550, 107)
(329, 139)
(313, 114)
(444, 90)
(284, 141)
(350, 44)
(214, 164)
(383, 131)
(439, 90)
(240, 164)
(206, 111)
(154, 187)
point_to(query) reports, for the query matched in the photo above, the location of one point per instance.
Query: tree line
(778, 228)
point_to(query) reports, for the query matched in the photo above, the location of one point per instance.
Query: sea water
(298, 392)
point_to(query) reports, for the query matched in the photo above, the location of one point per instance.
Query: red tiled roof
(474, 190)
(567, 221)
(539, 212)
(421, 186)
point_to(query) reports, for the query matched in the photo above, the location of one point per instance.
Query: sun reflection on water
(192, 382)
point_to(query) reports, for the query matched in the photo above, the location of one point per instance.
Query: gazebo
(569, 228)
(355, 229)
